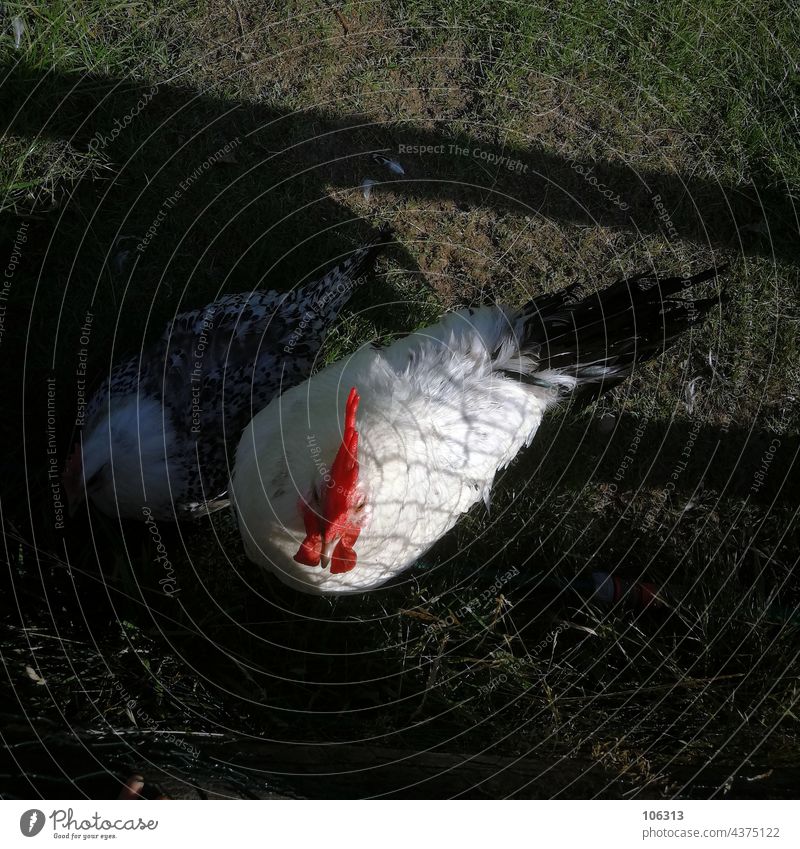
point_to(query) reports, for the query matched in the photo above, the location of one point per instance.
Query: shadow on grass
(315, 151)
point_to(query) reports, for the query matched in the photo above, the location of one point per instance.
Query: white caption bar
(400, 825)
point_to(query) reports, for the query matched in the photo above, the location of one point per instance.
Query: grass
(695, 102)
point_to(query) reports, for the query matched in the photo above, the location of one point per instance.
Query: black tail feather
(599, 339)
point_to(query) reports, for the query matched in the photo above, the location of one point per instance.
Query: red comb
(344, 472)
(335, 502)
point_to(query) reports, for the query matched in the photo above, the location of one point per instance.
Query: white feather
(437, 419)
(126, 459)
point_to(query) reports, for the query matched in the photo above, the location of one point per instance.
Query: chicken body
(440, 412)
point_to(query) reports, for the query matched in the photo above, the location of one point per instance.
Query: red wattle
(344, 558)
(310, 551)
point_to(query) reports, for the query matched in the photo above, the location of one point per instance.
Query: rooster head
(334, 511)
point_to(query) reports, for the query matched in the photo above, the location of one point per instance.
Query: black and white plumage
(158, 429)
(343, 482)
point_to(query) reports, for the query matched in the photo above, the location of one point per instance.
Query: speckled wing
(213, 369)
(216, 367)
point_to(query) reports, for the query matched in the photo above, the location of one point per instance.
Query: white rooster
(341, 483)
(157, 430)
